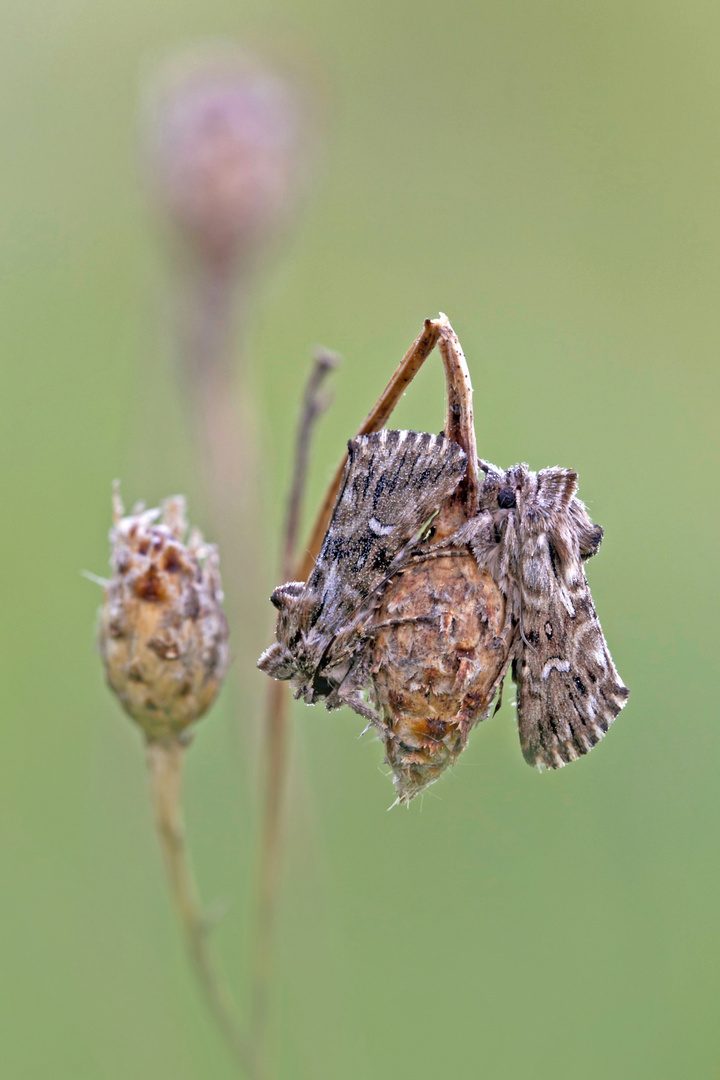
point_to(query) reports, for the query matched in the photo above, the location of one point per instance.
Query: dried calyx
(436, 663)
(163, 636)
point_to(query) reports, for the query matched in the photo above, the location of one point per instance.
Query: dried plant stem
(459, 423)
(269, 872)
(211, 318)
(276, 724)
(165, 761)
(314, 404)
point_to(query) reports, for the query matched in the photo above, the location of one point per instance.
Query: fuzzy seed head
(163, 636)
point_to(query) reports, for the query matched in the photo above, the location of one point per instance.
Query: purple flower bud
(222, 144)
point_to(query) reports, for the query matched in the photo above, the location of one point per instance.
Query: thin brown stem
(314, 404)
(276, 729)
(165, 764)
(271, 844)
(211, 334)
(459, 424)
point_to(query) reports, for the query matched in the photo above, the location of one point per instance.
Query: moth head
(491, 486)
(286, 597)
(284, 659)
(288, 601)
(500, 491)
(542, 500)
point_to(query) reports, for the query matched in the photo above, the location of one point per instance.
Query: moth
(393, 484)
(529, 532)
(534, 535)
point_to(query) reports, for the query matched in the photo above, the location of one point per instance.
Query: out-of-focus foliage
(547, 174)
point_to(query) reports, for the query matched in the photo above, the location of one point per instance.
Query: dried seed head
(163, 635)
(222, 145)
(436, 666)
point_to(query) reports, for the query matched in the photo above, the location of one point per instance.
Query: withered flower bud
(223, 154)
(435, 665)
(163, 636)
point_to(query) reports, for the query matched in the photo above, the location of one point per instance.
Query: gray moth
(534, 536)
(393, 484)
(528, 530)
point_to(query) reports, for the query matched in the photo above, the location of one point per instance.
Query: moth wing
(568, 689)
(394, 481)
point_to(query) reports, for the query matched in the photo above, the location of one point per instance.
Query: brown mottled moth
(429, 585)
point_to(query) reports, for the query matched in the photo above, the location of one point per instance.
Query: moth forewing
(569, 691)
(394, 481)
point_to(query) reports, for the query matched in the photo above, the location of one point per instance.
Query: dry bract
(163, 636)
(436, 665)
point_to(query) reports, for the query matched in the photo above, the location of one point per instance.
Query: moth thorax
(435, 665)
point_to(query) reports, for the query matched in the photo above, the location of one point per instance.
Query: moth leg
(498, 703)
(415, 558)
(354, 700)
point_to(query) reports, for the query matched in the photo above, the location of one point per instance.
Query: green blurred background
(547, 174)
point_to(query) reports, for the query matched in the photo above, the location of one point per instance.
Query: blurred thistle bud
(222, 146)
(163, 636)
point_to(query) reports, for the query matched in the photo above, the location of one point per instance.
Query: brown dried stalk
(276, 726)
(459, 424)
(165, 759)
(314, 404)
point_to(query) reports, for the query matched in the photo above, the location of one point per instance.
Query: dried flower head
(437, 659)
(163, 636)
(222, 145)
